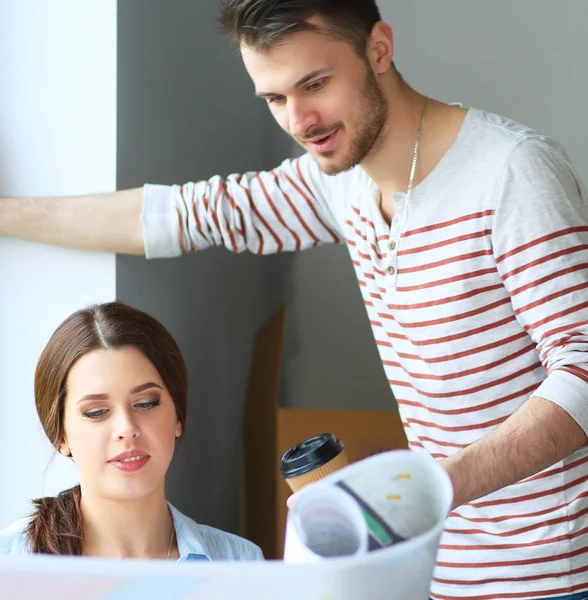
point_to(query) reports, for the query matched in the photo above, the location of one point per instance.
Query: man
(469, 236)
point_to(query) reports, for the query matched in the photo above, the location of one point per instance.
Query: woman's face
(120, 424)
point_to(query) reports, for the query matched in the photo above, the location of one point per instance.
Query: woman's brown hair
(56, 524)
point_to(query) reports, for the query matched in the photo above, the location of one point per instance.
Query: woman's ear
(179, 429)
(64, 448)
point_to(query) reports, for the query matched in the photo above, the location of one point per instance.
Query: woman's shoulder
(197, 541)
(228, 546)
(13, 539)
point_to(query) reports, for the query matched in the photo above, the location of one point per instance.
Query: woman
(111, 393)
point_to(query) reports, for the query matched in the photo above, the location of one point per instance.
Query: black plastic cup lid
(309, 455)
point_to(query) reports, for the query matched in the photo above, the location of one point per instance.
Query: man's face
(323, 94)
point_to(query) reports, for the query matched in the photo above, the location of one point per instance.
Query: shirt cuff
(160, 222)
(568, 392)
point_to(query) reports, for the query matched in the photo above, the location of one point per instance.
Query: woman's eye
(148, 405)
(95, 414)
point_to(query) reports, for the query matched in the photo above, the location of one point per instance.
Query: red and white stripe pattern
(481, 305)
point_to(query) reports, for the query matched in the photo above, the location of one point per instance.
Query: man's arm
(286, 209)
(280, 210)
(537, 435)
(540, 241)
(104, 222)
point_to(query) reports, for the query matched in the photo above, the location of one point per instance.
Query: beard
(372, 110)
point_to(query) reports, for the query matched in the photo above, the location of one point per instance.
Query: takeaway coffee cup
(312, 460)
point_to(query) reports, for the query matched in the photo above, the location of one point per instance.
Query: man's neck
(121, 529)
(390, 164)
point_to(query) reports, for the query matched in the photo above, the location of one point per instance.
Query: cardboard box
(269, 430)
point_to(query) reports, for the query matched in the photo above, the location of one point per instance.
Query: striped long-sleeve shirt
(482, 304)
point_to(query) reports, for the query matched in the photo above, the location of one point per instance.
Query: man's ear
(381, 47)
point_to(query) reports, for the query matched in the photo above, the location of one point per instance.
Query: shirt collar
(188, 537)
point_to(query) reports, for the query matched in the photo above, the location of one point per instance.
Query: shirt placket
(391, 261)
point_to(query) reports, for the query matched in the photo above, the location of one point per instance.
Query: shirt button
(392, 245)
(391, 270)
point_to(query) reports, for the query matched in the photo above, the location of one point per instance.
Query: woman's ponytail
(56, 525)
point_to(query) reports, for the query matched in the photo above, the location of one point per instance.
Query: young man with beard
(469, 237)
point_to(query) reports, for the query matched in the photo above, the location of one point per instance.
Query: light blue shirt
(195, 542)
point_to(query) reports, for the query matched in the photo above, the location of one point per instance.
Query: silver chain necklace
(171, 539)
(415, 157)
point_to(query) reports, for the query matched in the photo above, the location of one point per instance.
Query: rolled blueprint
(368, 506)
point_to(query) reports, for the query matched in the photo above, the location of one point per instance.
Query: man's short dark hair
(262, 24)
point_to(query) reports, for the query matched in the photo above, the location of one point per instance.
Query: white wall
(57, 136)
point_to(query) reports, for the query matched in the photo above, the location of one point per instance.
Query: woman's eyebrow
(145, 386)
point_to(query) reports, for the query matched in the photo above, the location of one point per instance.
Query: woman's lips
(130, 461)
(130, 466)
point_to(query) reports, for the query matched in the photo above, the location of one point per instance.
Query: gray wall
(331, 356)
(523, 59)
(186, 111)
